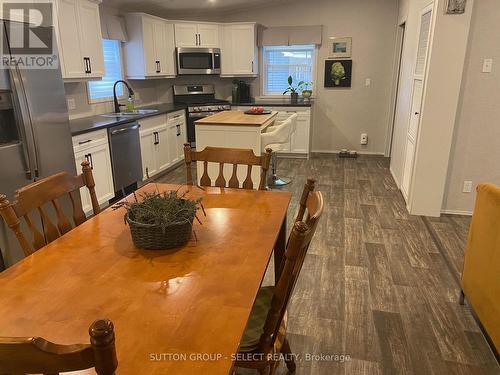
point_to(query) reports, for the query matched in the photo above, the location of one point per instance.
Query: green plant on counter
(291, 89)
(305, 86)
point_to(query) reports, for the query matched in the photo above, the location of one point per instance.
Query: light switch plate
(368, 82)
(487, 65)
(71, 103)
(467, 187)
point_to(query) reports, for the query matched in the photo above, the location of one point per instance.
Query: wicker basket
(156, 237)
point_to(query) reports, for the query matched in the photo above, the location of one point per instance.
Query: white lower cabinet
(94, 148)
(161, 140)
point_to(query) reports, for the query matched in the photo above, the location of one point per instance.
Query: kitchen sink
(136, 112)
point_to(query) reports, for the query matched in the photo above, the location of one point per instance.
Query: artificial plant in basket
(161, 220)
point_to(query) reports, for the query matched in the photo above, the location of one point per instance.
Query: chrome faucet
(115, 99)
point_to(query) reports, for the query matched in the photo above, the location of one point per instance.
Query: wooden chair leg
(287, 353)
(461, 299)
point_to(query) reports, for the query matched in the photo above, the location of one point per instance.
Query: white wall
(440, 102)
(341, 115)
(475, 154)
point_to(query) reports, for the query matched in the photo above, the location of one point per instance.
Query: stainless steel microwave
(198, 61)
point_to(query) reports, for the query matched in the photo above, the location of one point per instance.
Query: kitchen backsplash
(147, 92)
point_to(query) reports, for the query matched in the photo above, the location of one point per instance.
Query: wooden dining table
(179, 311)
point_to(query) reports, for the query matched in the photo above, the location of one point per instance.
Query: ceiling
(166, 8)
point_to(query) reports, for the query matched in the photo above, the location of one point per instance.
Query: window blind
(283, 61)
(103, 89)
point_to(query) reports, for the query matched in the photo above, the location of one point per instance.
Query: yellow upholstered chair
(481, 274)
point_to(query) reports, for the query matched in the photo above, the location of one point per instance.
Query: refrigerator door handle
(24, 122)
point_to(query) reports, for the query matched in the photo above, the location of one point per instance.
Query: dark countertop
(91, 123)
(273, 103)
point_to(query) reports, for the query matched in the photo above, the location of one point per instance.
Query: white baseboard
(394, 177)
(338, 151)
(456, 212)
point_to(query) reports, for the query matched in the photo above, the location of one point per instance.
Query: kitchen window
(102, 91)
(279, 62)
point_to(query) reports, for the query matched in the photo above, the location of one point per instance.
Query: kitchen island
(232, 129)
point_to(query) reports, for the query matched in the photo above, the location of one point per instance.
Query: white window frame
(263, 79)
(109, 98)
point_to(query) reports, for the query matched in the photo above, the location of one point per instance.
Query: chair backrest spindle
(223, 156)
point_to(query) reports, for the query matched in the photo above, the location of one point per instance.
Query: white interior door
(417, 96)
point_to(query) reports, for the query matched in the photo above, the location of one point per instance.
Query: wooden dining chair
(265, 334)
(35, 355)
(37, 196)
(222, 156)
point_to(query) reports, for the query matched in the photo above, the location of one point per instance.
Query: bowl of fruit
(258, 111)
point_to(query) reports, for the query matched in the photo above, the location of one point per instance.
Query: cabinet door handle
(156, 138)
(83, 142)
(88, 157)
(252, 66)
(159, 66)
(86, 64)
(199, 39)
(90, 65)
(178, 126)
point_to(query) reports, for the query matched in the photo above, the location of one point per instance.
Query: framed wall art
(338, 73)
(455, 6)
(339, 48)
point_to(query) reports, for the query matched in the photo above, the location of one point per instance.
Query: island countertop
(236, 118)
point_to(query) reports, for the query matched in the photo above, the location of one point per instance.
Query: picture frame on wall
(338, 73)
(339, 48)
(455, 6)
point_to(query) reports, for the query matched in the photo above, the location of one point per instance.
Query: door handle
(159, 66)
(252, 66)
(91, 161)
(118, 131)
(417, 113)
(199, 39)
(90, 65)
(86, 66)
(156, 138)
(83, 142)
(178, 126)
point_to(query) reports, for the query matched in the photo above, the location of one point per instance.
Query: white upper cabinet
(188, 34)
(79, 39)
(150, 50)
(239, 50)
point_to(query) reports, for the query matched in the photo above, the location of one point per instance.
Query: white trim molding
(456, 212)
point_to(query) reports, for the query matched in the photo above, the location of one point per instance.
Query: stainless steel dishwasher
(126, 159)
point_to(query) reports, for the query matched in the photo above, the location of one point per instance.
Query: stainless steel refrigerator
(35, 138)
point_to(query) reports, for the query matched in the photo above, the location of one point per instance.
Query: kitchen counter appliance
(198, 61)
(201, 102)
(126, 162)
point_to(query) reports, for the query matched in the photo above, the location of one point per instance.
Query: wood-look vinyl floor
(378, 285)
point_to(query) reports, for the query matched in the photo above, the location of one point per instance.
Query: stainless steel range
(201, 102)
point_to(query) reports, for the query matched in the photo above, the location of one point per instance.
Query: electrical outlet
(368, 82)
(487, 65)
(71, 103)
(364, 139)
(467, 187)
